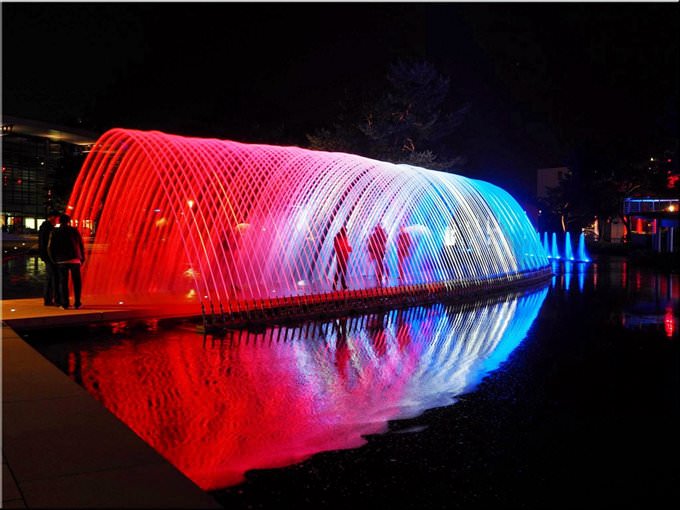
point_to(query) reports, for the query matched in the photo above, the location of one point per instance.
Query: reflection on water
(657, 303)
(219, 407)
(652, 299)
(22, 277)
(565, 272)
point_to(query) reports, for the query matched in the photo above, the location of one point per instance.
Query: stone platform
(60, 447)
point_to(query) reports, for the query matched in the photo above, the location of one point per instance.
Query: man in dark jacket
(51, 294)
(67, 251)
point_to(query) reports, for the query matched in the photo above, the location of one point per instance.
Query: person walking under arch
(404, 244)
(342, 250)
(377, 246)
(66, 249)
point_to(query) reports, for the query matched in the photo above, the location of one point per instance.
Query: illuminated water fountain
(555, 252)
(581, 254)
(568, 253)
(253, 226)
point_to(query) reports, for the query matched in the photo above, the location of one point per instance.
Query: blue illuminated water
(567, 251)
(582, 255)
(555, 252)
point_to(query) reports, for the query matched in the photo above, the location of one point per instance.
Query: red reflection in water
(669, 322)
(624, 274)
(217, 412)
(217, 408)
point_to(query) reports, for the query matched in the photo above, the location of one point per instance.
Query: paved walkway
(32, 314)
(60, 447)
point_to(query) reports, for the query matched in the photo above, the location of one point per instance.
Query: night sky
(545, 82)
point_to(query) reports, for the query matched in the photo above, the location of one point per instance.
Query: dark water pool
(563, 396)
(22, 277)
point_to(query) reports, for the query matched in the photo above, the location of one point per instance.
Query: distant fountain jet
(568, 254)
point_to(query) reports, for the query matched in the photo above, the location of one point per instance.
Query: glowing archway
(234, 223)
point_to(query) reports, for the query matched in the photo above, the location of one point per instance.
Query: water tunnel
(251, 226)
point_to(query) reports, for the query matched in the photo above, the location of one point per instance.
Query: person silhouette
(404, 244)
(377, 246)
(51, 291)
(65, 248)
(342, 350)
(342, 250)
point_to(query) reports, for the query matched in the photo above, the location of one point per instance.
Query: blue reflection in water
(458, 349)
(581, 273)
(564, 272)
(568, 274)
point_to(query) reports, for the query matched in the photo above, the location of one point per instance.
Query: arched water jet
(191, 219)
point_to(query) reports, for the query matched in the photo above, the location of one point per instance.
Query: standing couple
(61, 248)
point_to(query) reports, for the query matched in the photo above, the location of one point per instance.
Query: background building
(654, 223)
(40, 162)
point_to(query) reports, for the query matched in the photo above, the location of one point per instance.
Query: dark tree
(409, 123)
